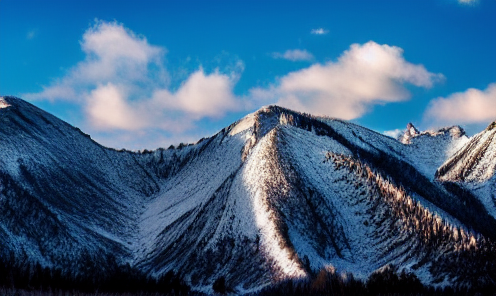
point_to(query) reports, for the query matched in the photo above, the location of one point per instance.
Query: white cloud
(394, 133)
(294, 55)
(364, 75)
(200, 96)
(472, 106)
(109, 109)
(319, 31)
(115, 55)
(55, 92)
(122, 85)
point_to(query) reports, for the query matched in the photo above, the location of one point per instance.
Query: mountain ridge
(275, 195)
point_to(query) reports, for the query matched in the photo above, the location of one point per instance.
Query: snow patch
(247, 122)
(260, 170)
(429, 150)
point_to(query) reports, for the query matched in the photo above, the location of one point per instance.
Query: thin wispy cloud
(472, 106)
(294, 55)
(363, 76)
(319, 31)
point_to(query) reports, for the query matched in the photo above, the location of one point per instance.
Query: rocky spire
(410, 132)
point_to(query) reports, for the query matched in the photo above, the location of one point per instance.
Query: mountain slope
(287, 209)
(474, 167)
(63, 195)
(428, 150)
(276, 195)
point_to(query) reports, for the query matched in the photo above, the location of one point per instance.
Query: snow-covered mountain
(410, 132)
(428, 150)
(474, 166)
(63, 196)
(276, 195)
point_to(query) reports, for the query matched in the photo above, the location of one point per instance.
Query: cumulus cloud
(122, 85)
(319, 31)
(472, 106)
(114, 54)
(109, 109)
(294, 55)
(201, 95)
(364, 75)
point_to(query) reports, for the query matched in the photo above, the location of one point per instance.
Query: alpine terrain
(276, 195)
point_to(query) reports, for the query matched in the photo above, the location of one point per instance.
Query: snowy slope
(63, 195)
(276, 195)
(280, 201)
(474, 166)
(344, 203)
(428, 150)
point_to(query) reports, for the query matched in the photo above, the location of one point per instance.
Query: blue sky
(147, 74)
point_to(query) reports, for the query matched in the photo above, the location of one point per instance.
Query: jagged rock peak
(455, 131)
(412, 129)
(410, 132)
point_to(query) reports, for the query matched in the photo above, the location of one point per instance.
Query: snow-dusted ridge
(474, 166)
(278, 194)
(475, 161)
(427, 150)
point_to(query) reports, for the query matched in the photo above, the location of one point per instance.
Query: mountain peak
(264, 119)
(3, 103)
(412, 129)
(491, 126)
(410, 132)
(475, 161)
(455, 131)
(7, 101)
